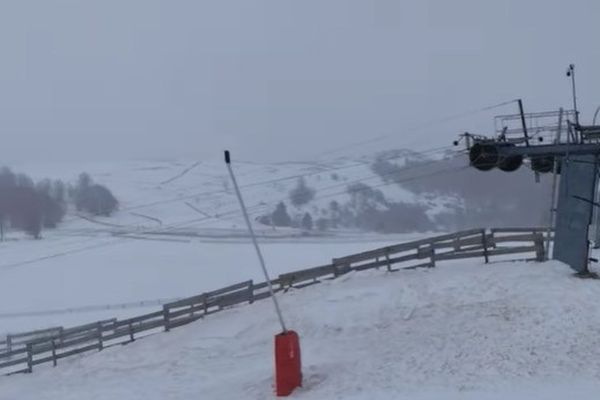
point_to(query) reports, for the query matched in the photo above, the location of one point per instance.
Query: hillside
(196, 197)
(179, 231)
(157, 247)
(459, 331)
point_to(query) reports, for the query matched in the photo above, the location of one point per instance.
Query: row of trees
(280, 217)
(465, 198)
(367, 209)
(469, 198)
(491, 198)
(29, 206)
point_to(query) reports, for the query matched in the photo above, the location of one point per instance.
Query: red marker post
(288, 365)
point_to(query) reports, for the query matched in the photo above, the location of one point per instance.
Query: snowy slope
(460, 331)
(135, 270)
(158, 247)
(167, 190)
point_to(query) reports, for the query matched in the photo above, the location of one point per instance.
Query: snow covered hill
(463, 330)
(196, 197)
(178, 233)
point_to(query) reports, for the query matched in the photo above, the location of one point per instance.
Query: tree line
(31, 206)
(366, 209)
(470, 198)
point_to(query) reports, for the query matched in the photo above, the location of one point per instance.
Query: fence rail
(22, 351)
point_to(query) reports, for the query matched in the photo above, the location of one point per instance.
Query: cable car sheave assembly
(573, 159)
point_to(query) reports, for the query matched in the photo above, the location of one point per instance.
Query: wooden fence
(21, 352)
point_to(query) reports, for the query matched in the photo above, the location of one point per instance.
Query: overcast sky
(277, 80)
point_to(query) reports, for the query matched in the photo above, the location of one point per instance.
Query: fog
(278, 80)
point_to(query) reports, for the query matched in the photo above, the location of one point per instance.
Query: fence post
(387, 259)
(29, 357)
(432, 255)
(547, 244)
(205, 301)
(131, 332)
(166, 318)
(53, 352)
(250, 292)
(540, 252)
(484, 243)
(99, 329)
(9, 343)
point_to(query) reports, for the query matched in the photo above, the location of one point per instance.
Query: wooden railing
(21, 352)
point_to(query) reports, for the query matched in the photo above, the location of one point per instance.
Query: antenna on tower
(571, 74)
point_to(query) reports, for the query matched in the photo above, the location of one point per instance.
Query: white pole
(254, 241)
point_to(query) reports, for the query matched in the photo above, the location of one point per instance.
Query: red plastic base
(288, 366)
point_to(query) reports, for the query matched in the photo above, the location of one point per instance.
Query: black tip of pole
(227, 157)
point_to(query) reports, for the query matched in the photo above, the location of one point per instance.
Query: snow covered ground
(463, 330)
(164, 190)
(158, 247)
(134, 270)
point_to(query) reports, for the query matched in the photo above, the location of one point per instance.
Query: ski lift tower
(550, 142)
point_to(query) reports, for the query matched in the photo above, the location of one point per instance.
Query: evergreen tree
(280, 216)
(301, 194)
(307, 221)
(93, 198)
